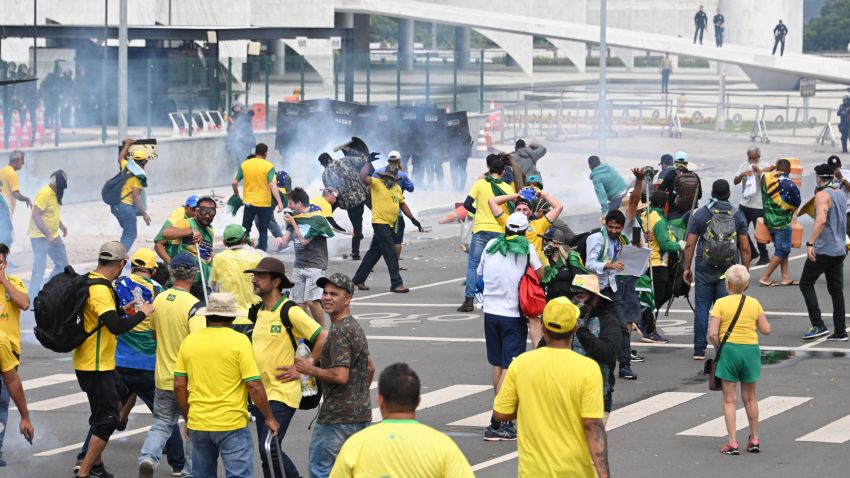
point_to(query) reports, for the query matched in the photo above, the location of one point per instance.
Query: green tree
(831, 30)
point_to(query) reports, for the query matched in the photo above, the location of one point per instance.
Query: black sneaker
(763, 261)
(503, 433)
(837, 338)
(100, 471)
(355, 257)
(467, 305)
(634, 357)
(627, 374)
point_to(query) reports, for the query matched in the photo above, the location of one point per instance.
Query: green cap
(233, 234)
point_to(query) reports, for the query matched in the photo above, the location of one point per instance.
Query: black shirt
(701, 19)
(719, 20)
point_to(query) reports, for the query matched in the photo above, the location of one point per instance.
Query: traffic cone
(481, 146)
(459, 215)
(487, 136)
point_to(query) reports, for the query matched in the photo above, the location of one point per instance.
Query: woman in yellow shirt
(740, 360)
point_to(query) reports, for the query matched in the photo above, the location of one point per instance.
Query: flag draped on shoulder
(312, 223)
(780, 197)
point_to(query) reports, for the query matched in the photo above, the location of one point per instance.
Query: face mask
(577, 302)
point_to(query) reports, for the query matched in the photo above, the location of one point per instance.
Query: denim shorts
(505, 338)
(781, 242)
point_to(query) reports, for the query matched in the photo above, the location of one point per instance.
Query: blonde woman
(740, 360)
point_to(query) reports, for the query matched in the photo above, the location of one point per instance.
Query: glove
(682, 245)
(373, 156)
(417, 224)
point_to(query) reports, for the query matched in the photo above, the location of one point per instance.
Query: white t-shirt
(501, 280)
(754, 201)
(846, 174)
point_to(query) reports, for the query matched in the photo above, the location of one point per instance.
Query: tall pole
(34, 69)
(601, 116)
(122, 69)
(103, 69)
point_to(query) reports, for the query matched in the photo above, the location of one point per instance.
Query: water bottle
(138, 296)
(308, 382)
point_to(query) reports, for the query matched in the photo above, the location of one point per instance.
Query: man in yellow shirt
(387, 200)
(10, 191)
(217, 364)
(94, 359)
(259, 187)
(400, 445)
(485, 227)
(15, 390)
(228, 271)
(44, 228)
(327, 203)
(274, 350)
(13, 299)
(176, 316)
(555, 395)
(133, 201)
(165, 248)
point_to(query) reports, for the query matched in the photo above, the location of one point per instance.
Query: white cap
(517, 222)
(394, 155)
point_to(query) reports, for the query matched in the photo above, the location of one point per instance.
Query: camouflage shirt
(344, 175)
(346, 346)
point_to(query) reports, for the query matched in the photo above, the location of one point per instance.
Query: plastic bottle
(138, 297)
(308, 382)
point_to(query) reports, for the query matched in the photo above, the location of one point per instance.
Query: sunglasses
(207, 211)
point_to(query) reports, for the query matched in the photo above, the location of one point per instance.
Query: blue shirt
(126, 355)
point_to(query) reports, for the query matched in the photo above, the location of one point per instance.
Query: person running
(196, 238)
(259, 187)
(527, 156)
(400, 445)
(738, 357)
(94, 359)
(825, 251)
(133, 201)
(217, 364)
(749, 177)
(228, 271)
(45, 226)
(166, 249)
(555, 395)
(503, 263)
(274, 351)
(345, 370)
(781, 198)
(13, 299)
(387, 200)
(485, 227)
(406, 185)
(175, 317)
(780, 31)
(11, 192)
(309, 232)
(700, 22)
(608, 184)
(13, 388)
(719, 232)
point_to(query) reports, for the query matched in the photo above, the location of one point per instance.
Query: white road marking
(58, 402)
(78, 446)
(481, 420)
(48, 380)
(441, 396)
(426, 339)
(816, 342)
(495, 461)
(835, 432)
(425, 286)
(792, 258)
(398, 304)
(768, 407)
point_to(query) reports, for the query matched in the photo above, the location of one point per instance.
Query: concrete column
(405, 43)
(462, 36)
(361, 40)
(278, 51)
(344, 20)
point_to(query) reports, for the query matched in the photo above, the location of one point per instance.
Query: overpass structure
(766, 70)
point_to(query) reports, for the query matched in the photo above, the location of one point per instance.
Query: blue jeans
(41, 249)
(325, 444)
(283, 414)
(476, 249)
(4, 411)
(263, 216)
(706, 292)
(235, 448)
(126, 215)
(165, 415)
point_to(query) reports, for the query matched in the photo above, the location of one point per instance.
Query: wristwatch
(809, 244)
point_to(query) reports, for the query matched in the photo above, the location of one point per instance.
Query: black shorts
(398, 231)
(101, 388)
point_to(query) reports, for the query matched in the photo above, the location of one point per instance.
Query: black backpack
(111, 191)
(579, 243)
(307, 403)
(687, 186)
(59, 310)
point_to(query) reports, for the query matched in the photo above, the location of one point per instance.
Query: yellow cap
(144, 257)
(560, 315)
(140, 154)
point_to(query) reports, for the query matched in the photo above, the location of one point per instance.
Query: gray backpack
(720, 239)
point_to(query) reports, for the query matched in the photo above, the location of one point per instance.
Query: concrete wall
(183, 163)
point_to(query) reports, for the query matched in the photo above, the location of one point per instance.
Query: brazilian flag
(780, 197)
(312, 223)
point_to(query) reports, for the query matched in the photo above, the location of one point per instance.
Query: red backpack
(532, 299)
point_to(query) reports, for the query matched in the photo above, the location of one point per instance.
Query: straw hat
(222, 304)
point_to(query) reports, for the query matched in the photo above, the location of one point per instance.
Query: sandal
(768, 284)
(793, 283)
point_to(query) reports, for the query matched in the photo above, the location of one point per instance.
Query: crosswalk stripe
(441, 396)
(618, 418)
(835, 432)
(650, 406)
(78, 446)
(58, 402)
(47, 380)
(768, 407)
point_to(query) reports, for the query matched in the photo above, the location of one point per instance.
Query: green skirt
(739, 363)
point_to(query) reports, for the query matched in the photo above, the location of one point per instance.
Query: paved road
(664, 423)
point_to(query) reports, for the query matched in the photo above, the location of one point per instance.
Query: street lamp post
(601, 114)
